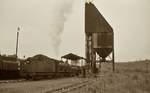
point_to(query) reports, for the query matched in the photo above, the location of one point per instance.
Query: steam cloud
(61, 13)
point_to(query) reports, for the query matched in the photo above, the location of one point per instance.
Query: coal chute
(99, 36)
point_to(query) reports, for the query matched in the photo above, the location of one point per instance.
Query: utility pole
(18, 29)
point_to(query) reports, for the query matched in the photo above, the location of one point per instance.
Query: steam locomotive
(41, 66)
(37, 67)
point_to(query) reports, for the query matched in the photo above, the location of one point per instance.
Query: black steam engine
(41, 66)
(36, 67)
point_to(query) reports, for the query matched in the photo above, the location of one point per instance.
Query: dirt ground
(41, 86)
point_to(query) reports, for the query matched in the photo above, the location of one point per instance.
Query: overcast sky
(56, 27)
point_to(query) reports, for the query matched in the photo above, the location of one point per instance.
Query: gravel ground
(37, 86)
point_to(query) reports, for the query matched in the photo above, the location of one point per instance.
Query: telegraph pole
(18, 29)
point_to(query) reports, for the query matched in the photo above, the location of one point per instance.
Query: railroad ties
(84, 86)
(69, 88)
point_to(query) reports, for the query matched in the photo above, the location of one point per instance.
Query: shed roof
(72, 57)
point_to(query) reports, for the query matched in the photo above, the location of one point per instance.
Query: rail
(70, 87)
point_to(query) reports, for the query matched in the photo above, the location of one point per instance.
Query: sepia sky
(56, 27)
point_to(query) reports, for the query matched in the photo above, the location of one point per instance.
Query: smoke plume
(61, 12)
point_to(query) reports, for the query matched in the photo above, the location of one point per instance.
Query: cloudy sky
(56, 27)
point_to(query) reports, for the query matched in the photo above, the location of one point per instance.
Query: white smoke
(61, 12)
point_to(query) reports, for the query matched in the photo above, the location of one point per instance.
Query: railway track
(70, 88)
(12, 81)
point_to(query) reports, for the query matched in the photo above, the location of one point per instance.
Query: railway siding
(69, 88)
(42, 86)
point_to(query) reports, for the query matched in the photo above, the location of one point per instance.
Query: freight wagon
(8, 68)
